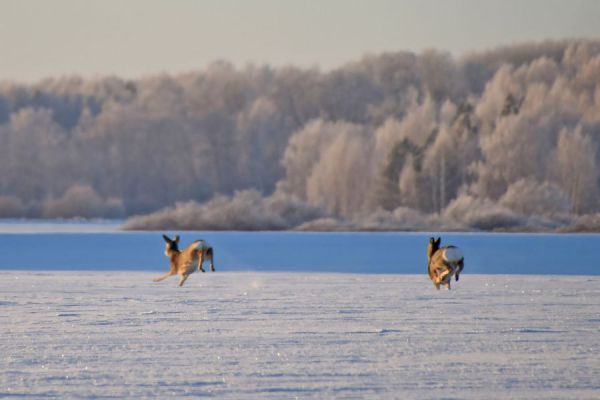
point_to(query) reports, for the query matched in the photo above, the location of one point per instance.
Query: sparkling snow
(297, 335)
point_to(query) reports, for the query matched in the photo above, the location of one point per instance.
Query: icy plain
(245, 335)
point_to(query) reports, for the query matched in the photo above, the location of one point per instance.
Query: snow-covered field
(298, 335)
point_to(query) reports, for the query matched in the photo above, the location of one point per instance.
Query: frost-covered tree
(387, 135)
(578, 170)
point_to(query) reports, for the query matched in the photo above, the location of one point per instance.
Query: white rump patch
(453, 254)
(202, 245)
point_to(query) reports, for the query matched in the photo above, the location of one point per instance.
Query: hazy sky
(140, 37)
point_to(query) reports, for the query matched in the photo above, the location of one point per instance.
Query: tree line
(502, 139)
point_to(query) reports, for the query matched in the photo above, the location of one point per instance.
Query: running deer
(443, 263)
(188, 260)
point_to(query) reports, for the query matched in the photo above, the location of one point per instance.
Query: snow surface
(298, 335)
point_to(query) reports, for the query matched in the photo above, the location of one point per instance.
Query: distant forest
(507, 139)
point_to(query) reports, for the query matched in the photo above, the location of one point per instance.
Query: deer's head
(433, 246)
(171, 245)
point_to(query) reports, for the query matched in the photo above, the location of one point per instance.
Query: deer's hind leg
(200, 261)
(461, 265)
(210, 255)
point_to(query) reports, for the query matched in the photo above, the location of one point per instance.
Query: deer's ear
(166, 238)
(431, 240)
(438, 241)
(176, 239)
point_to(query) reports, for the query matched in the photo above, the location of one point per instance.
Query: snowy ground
(294, 335)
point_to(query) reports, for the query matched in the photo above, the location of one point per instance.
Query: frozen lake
(81, 317)
(100, 246)
(234, 335)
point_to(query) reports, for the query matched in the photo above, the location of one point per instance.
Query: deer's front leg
(442, 276)
(163, 277)
(183, 279)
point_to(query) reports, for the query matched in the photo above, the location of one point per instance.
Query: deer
(443, 263)
(188, 260)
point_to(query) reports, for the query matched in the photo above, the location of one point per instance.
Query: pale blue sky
(134, 38)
